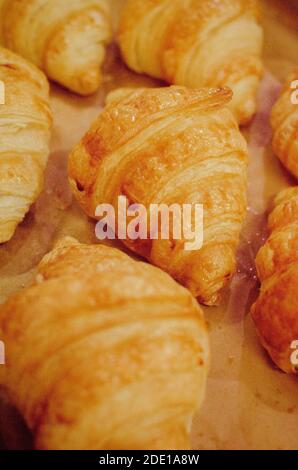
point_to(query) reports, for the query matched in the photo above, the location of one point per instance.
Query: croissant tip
(66, 242)
(115, 96)
(6, 233)
(222, 95)
(212, 302)
(87, 85)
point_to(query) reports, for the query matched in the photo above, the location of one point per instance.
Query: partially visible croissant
(66, 39)
(25, 125)
(284, 121)
(197, 43)
(104, 352)
(170, 146)
(276, 311)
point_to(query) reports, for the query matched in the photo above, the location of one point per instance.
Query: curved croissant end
(197, 44)
(170, 146)
(104, 352)
(276, 311)
(25, 126)
(284, 121)
(65, 39)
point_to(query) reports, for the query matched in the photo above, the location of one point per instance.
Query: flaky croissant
(104, 352)
(170, 146)
(66, 39)
(25, 126)
(284, 121)
(276, 311)
(197, 43)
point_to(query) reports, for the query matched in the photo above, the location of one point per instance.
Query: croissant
(197, 43)
(276, 311)
(66, 39)
(284, 121)
(104, 352)
(170, 146)
(25, 126)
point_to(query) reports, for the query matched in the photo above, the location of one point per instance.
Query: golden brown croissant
(104, 352)
(276, 311)
(284, 121)
(25, 125)
(170, 146)
(197, 43)
(66, 39)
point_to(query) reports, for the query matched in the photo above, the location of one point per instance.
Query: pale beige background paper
(249, 404)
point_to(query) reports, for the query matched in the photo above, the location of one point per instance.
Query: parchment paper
(249, 404)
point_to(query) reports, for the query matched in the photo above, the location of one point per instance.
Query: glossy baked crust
(276, 311)
(284, 121)
(66, 39)
(197, 43)
(104, 352)
(172, 146)
(25, 126)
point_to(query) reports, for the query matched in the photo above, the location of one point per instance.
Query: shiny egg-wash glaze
(197, 43)
(276, 311)
(284, 121)
(66, 39)
(25, 128)
(104, 352)
(165, 146)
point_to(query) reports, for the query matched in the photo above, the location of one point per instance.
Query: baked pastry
(104, 352)
(276, 310)
(284, 121)
(197, 43)
(170, 146)
(66, 39)
(25, 127)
